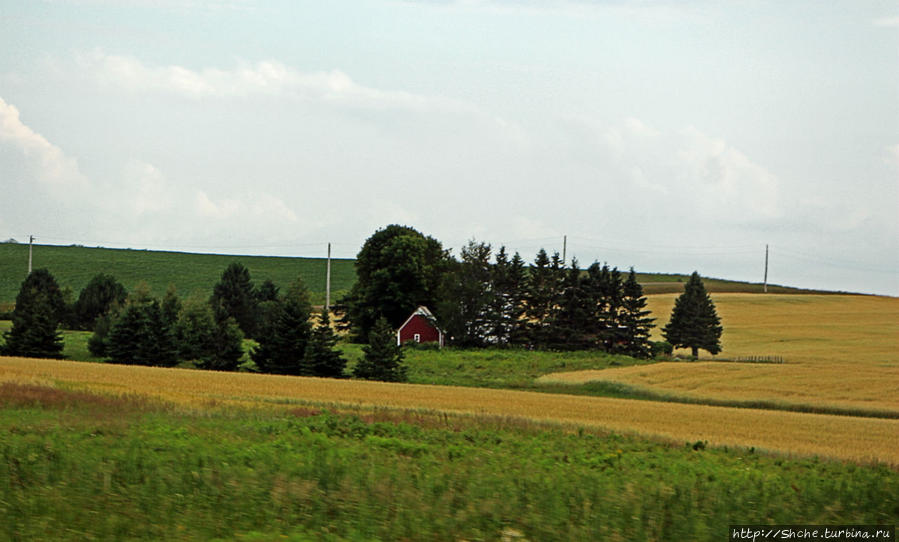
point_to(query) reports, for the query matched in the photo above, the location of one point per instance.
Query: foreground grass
(842, 437)
(80, 466)
(841, 353)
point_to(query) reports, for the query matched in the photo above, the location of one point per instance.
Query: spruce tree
(210, 344)
(283, 345)
(464, 311)
(383, 359)
(36, 317)
(634, 320)
(506, 308)
(321, 357)
(694, 322)
(141, 335)
(233, 296)
(539, 298)
(570, 327)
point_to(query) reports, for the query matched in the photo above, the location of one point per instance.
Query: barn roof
(424, 312)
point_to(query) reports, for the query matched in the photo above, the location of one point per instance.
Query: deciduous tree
(101, 293)
(397, 269)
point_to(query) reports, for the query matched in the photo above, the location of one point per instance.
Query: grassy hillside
(74, 266)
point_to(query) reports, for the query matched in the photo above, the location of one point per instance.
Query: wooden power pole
(328, 282)
(30, 245)
(766, 269)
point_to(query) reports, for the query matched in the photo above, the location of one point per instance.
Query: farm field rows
(841, 437)
(838, 351)
(74, 266)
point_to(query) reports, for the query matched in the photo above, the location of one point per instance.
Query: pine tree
(464, 310)
(211, 345)
(321, 357)
(570, 327)
(694, 322)
(234, 296)
(633, 318)
(141, 335)
(506, 307)
(35, 320)
(283, 345)
(383, 358)
(539, 298)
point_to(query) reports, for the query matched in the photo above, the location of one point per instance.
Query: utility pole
(328, 283)
(30, 244)
(766, 269)
(564, 248)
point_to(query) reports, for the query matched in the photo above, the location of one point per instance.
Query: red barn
(420, 327)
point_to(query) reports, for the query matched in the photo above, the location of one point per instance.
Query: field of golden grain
(839, 351)
(843, 437)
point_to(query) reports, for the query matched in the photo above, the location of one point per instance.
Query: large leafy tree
(97, 298)
(397, 269)
(233, 296)
(383, 359)
(283, 341)
(35, 320)
(694, 322)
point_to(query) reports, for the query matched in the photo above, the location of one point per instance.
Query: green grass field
(79, 466)
(73, 267)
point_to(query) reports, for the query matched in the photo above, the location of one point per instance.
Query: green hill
(74, 266)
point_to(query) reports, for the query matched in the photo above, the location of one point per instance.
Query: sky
(666, 135)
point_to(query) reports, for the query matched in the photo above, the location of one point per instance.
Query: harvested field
(842, 437)
(839, 351)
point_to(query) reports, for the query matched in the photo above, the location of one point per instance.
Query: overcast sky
(667, 135)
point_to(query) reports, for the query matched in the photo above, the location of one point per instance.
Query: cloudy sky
(667, 135)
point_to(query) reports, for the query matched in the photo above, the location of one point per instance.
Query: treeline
(496, 299)
(208, 332)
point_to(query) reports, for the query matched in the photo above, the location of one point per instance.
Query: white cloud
(892, 156)
(724, 179)
(150, 192)
(47, 162)
(889, 22)
(266, 78)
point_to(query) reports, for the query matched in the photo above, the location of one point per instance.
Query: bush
(661, 349)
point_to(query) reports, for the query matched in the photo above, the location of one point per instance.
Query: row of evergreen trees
(140, 329)
(548, 305)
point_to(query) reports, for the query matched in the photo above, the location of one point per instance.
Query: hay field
(839, 351)
(842, 437)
